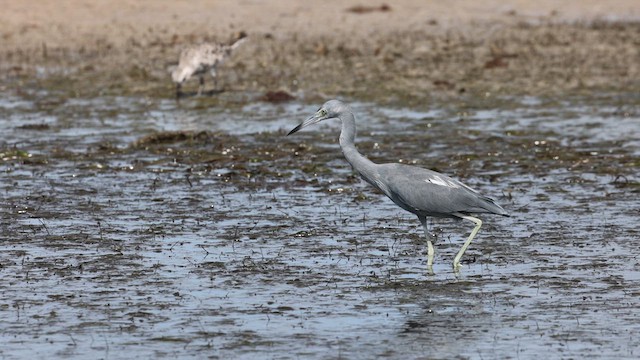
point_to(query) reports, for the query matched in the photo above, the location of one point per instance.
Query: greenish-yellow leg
(478, 222)
(430, 250)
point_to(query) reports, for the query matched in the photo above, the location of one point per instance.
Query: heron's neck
(361, 164)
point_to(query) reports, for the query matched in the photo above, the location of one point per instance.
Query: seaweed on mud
(168, 137)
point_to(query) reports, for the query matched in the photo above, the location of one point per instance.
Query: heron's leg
(178, 90)
(430, 250)
(201, 87)
(478, 222)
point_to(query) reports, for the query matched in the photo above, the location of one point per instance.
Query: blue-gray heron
(420, 191)
(199, 59)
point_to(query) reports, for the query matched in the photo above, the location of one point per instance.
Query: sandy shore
(401, 51)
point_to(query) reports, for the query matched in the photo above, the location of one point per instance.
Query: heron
(425, 193)
(199, 59)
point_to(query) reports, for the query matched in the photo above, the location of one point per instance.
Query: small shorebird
(196, 60)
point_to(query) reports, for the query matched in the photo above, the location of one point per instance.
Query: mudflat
(133, 225)
(402, 51)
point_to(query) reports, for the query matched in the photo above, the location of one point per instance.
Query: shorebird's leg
(201, 87)
(214, 75)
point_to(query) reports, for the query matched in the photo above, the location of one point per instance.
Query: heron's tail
(490, 206)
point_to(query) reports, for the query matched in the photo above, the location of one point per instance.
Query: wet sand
(134, 227)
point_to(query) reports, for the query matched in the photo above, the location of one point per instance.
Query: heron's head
(332, 109)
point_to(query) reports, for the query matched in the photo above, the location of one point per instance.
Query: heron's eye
(323, 112)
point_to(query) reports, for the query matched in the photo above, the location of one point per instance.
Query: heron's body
(199, 59)
(423, 192)
(429, 193)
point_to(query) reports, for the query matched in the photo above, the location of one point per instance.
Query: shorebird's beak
(316, 118)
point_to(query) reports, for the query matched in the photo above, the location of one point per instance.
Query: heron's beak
(316, 118)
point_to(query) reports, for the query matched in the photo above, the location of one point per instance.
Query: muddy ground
(133, 225)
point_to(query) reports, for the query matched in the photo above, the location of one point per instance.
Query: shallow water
(234, 241)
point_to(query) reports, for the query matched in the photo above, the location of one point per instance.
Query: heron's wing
(425, 191)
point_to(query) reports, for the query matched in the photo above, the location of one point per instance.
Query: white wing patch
(437, 180)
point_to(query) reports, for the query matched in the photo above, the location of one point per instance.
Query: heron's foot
(457, 266)
(430, 270)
